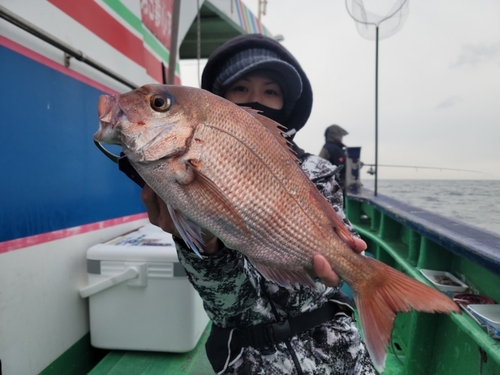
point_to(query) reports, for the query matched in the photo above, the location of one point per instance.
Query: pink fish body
(220, 167)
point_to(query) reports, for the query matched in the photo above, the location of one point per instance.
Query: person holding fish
(256, 219)
(260, 327)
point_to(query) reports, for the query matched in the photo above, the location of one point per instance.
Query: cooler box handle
(128, 274)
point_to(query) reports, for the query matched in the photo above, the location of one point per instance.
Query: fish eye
(160, 103)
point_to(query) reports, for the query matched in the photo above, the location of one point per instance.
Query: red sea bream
(230, 170)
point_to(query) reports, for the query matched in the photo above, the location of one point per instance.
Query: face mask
(274, 114)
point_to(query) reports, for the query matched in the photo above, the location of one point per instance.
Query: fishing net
(376, 20)
(388, 15)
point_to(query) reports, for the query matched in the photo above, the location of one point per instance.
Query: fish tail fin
(388, 293)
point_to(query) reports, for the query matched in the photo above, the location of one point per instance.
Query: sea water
(475, 202)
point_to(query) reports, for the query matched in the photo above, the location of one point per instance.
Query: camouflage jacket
(236, 295)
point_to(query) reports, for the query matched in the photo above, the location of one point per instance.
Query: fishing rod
(373, 171)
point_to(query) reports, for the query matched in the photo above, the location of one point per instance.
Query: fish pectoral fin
(276, 129)
(285, 278)
(189, 231)
(386, 293)
(205, 189)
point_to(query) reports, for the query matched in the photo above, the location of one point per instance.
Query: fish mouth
(110, 116)
(114, 112)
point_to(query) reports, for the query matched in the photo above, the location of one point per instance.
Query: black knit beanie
(276, 55)
(259, 59)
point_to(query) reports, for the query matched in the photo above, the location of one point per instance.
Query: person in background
(259, 327)
(334, 150)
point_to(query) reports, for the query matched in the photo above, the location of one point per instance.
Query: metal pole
(174, 36)
(376, 110)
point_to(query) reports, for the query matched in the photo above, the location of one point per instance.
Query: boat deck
(118, 362)
(195, 362)
(82, 359)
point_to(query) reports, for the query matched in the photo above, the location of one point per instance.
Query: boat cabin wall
(59, 194)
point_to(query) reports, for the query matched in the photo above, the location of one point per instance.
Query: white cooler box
(139, 295)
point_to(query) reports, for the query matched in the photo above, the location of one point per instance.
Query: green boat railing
(409, 239)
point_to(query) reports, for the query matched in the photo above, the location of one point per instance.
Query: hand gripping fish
(230, 170)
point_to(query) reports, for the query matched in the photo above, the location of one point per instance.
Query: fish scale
(260, 215)
(257, 214)
(229, 170)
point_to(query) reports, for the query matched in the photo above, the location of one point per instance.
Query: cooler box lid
(146, 244)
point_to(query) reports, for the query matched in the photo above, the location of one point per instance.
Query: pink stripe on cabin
(53, 65)
(65, 233)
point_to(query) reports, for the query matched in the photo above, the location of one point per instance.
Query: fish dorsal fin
(189, 231)
(276, 129)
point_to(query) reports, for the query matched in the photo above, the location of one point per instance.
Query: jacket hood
(303, 106)
(334, 133)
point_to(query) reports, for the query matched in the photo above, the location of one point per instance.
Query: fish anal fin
(285, 278)
(388, 293)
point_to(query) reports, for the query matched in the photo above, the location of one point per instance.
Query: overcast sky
(439, 84)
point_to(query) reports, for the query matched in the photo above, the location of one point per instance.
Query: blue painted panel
(52, 175)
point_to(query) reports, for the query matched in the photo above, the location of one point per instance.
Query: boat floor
(195, 362)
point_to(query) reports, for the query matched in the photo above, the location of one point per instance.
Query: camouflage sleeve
(322, 174)
(226, 273)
